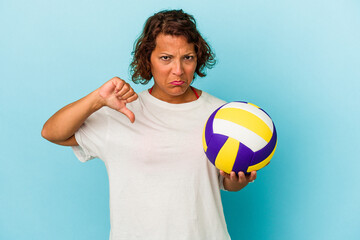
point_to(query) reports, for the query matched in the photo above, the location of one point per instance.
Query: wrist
(97, 101)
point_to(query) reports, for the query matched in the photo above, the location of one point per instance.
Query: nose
(178, 69)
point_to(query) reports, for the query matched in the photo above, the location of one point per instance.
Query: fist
(116, 93)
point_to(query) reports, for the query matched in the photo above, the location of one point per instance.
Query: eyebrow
(189, 53)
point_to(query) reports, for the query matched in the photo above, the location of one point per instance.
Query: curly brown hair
(171, 22)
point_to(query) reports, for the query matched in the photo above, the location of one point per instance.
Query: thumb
(128, 113)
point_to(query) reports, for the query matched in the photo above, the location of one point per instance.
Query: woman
(161, 184)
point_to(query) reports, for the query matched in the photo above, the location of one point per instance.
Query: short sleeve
(92, 136)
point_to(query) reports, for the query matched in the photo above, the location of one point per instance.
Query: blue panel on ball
(209, 127)
(243, 158)
(266, 151)
(214, 146)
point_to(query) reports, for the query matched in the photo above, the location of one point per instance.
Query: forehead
(171, 43)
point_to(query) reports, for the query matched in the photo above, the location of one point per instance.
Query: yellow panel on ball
(247, 120)
(227, 155)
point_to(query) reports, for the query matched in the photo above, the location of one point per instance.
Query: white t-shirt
(162, 187)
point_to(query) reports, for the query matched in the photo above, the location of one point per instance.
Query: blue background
(298, 60)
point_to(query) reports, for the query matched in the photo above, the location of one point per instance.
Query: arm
(235, 183)
(61, 127)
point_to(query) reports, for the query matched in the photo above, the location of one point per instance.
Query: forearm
(64, 123)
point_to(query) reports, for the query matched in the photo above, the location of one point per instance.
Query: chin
(178, 91)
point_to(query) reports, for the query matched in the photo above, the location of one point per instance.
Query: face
(173, 64)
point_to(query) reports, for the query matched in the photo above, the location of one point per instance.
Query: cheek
(159, 71)
(191, 69)
(161, 68)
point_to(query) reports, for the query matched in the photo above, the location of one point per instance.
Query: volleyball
(239, 136)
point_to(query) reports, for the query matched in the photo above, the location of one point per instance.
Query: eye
(165, 58)
(189, 57)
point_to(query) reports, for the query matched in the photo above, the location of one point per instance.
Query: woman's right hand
(116, 93)
(61, 127)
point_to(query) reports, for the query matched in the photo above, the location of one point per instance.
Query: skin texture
(173, 64)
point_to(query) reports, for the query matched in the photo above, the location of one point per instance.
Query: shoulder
(211, 100)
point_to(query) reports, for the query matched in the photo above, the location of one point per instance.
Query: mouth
(177, 83)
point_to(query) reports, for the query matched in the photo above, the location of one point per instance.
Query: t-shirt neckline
(173, 106)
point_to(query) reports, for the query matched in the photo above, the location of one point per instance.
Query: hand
(236, 183)
(116, 93)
